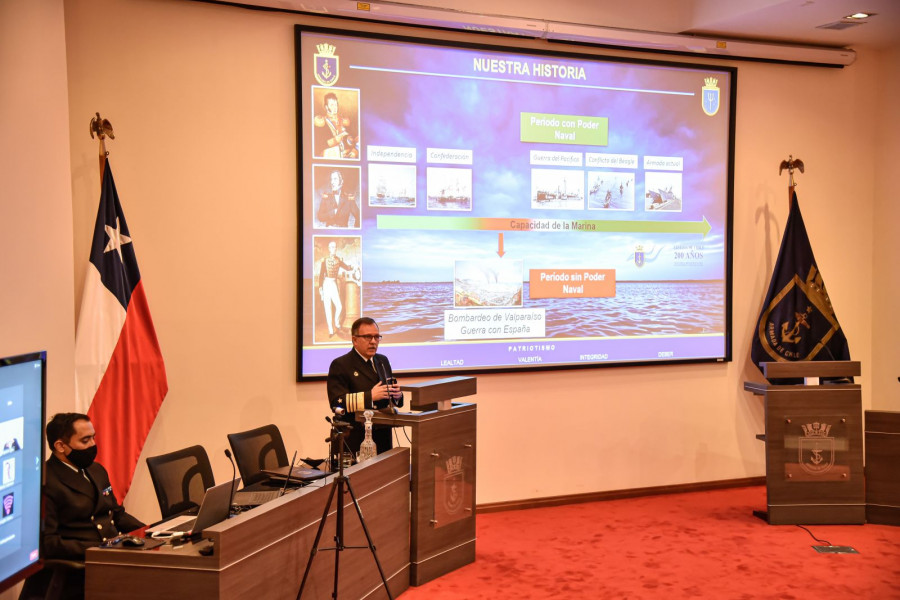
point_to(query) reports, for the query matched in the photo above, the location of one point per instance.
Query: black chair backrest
(180, 479)
(258, 449)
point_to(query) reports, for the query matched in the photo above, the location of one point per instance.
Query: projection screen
(494, 208)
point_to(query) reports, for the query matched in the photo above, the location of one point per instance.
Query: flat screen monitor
(495, 207)
(22, 399)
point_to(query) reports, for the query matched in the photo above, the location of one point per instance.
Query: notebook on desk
(214, 508)
(255, 497)
(300, 474)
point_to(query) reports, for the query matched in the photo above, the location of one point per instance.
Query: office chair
(258, 449)
(180, 479)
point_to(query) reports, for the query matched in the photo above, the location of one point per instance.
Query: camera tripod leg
(337, 486)
(315, 544)
(362, 522)
(338, 534)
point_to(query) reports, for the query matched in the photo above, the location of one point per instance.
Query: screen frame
(36, 566)
(416, 34)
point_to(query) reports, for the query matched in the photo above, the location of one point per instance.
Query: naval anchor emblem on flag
(709, 96)
(800, 311)
(816, 449)
(326, 64)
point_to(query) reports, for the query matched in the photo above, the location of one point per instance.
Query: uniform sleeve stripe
(356, 402)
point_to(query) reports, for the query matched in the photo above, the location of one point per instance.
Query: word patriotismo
(534, 69)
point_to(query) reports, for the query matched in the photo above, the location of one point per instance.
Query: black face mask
(83, 458)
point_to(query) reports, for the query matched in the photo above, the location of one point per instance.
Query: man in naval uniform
(80, 509)
(333, 135)
(360, 380)
(330, 271)
(337, 205)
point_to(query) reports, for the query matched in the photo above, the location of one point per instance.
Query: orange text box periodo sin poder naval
(572, 283)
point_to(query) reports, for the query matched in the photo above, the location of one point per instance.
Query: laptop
(214, 508)
(293, 475)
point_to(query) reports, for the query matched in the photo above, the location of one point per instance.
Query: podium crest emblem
(816, 449)
(327, 64)
(709, 96)
(453, 484)
(639, 256)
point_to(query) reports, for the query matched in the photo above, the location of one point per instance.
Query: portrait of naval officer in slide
(336, 123)
(336, 197)
(338, 286)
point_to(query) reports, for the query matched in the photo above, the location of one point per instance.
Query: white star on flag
(116, 239)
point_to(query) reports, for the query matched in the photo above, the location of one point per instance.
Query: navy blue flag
(797, 321)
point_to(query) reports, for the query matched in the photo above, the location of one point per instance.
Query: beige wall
(884, 288)
(36, 302)
(202, 101)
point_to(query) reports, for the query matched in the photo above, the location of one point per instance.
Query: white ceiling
(783, 21)
(800, 21)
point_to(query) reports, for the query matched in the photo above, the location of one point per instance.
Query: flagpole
(103, 128)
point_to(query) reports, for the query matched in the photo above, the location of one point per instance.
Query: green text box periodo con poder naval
(564, 129)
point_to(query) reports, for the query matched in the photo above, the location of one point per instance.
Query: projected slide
(493, 209)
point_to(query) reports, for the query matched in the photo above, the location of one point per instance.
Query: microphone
(290, 472)
(382, 373)
(379, 368)
(233, 476)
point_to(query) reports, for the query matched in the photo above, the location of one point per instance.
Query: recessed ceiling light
(859, 15)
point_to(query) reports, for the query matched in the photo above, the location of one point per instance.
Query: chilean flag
(120, 377)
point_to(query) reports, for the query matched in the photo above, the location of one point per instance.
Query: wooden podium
(814, 451)
(442, 528)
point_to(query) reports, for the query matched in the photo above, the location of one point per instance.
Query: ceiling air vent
(839, 25)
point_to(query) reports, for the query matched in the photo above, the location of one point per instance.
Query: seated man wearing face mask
(80, 508)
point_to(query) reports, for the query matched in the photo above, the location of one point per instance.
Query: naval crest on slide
(327, 64)
(709, 96)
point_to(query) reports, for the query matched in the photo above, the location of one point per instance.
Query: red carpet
(696, 545)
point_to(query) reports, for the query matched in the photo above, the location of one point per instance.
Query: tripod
(338, 433)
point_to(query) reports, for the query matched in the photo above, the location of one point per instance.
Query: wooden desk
(262, 553)
(882, 470)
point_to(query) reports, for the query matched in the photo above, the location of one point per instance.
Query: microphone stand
(233, 479)
(338, 432)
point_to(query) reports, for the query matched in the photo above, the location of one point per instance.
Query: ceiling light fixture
(860, 15)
